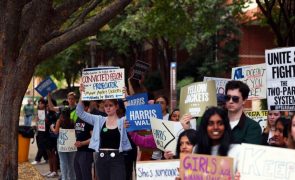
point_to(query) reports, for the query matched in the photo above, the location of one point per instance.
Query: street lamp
(92, 47)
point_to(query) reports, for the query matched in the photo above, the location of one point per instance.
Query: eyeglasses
(235, 99)
(160, 102)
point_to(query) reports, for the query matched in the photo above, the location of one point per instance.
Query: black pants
(83, 165)
(41, 139)
(110, 165)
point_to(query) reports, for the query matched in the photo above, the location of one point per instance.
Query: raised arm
(50, 104)
(143, 141)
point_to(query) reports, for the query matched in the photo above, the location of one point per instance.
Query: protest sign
(219, 83)
(258, 116)
(139, 116)
(103, 84)
(45, 87)
(166, 133)
(153, 170)
(266, 163)
(255, 77)
(196, 97)
(199, 166)
(139, 69)
(280, 78)
(66, 140)
(137, 99)
(41, 121)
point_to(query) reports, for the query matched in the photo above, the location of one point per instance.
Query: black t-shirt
(82, 130)
(109, 138)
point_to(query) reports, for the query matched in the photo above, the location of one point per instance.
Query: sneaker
(43, 162)
(52, 175)
(47, 173)
(35, 162)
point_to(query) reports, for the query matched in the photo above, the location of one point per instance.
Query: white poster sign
(41, 121)
(103, 84)
(266, 163)
(280, 78)
(66, 140)
(157, 170)
(255, 77)
(258, 116)
(166, 133)
(219, 82)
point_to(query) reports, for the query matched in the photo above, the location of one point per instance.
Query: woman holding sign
(109, 140)
(65, 144)
(216, 135)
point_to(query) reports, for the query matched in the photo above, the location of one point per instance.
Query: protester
(109, 140)
(163, 101)
(41, 137)
(28, 112)
(174, 116)
(217, 135)
(66, 158)
(186, 142)
(291, 136)
(244, 129)
(51, 144)
(84, 155)
(270, 128)
(280, 137)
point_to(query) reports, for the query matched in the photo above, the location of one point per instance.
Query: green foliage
(65, 65)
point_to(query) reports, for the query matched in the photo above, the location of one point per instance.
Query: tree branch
(64, 11)
(87, 29)
(78, 21)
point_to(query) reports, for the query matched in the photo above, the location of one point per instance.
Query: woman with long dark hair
(216, 135)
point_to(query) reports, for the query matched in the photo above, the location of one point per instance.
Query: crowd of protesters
(106, 151)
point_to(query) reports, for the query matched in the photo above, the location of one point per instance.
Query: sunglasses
(235, 99)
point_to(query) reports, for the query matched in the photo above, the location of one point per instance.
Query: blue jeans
(67, 165)
(28, 120)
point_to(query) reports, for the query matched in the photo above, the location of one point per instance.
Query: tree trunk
(14, 82)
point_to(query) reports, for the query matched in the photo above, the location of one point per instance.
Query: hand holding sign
(185, 121)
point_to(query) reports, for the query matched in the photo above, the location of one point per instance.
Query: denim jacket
(97, 122)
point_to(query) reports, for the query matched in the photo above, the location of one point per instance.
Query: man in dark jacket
(244, 129)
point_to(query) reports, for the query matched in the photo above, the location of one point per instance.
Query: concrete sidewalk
(43, 167)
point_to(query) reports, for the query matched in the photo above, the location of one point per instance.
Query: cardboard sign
(137, 99)
(153, 170)
(45, 87)
(139, 69)
(139, 116)
(219, 83)
(199, 166)
(196, 97)
(166, 133)
(41, 121)
(266, 163)
(280, 78)
(255, 77)
(66, 140)
(258, 116)
(103, 84)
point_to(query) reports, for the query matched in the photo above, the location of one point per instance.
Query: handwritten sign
(137, 99)
(255, 77)
(258, 116)
(219, 83)
(266, 163)
(41, 121)
(139, 69)
(153, 170)
(196, 97)
(139, 116)
(280, 78)
(66, 140)
(166, 133)
(45, 87)
(199, 166)
(103, 84)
